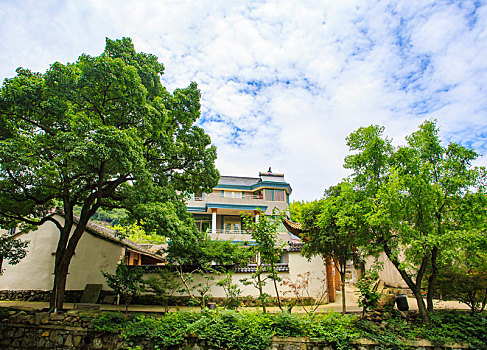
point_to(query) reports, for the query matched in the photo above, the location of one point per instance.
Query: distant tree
(136, 233)
(463, 276)
(100, 133)
(296, 210)
(11, 249)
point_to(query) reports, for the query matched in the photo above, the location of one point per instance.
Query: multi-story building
(220, 212)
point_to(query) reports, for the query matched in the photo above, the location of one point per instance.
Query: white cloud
(284, 82)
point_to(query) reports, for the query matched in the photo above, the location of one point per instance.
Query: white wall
(35, 271)
(389, 274)
(297, 265)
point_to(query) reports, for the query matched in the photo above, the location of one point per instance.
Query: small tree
(163, 285)
(231, 289)
(198, 254)
(11, 249)
(464, 277)
(126, 281)
(300, 289)
(268, 252)
(368, 295)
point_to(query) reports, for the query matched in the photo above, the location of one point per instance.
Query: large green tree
(415, 200)
(101, 132)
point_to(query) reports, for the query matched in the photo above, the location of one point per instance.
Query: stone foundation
(29, 330)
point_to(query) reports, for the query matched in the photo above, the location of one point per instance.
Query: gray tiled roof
(237, 180)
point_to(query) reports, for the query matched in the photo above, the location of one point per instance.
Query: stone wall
(28, 330)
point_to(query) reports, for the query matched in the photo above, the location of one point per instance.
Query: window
(228, 228)
(275, 195)
(199, 196)
(279, 195)
(232, 194)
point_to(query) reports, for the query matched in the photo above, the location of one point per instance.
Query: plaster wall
(36, 270)
(389, 274)
(297, 265)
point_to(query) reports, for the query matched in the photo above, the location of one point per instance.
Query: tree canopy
(416, 200)
(101, 132)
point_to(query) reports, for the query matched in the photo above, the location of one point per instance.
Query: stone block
(91, 293)
(53, 335)
(69, 341)
(76, 340)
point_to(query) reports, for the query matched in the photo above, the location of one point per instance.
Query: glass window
(269, 195)
(237, 228)
(279, 195)
(237, 194)
(228, 194)
(228, 228)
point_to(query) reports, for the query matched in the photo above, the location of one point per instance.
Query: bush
(228, 329)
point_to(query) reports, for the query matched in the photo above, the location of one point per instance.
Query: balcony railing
(217, 197)
(231, 232)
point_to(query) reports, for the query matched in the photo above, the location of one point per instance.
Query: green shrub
(289, 325)
(335, 328)
(110, 321)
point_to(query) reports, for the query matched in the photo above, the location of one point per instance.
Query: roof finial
(269, 171)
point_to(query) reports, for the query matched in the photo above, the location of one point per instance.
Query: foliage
(226, 329)
(299, 288)
(101, 132)
(267, 250)
(199, 292)
(110, 321)
(12, 249)
(414, 201)
(169, 330)
(232, 291)
(296, 210)
(136, 233)
(163, 285)
(126, 281)
(466, 286)
(332, 230)
(107, 217)
(368, 295)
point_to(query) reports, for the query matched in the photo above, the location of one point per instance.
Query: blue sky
(284, 82)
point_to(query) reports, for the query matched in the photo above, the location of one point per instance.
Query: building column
(213, 221)
(256, 216)
(330, 279)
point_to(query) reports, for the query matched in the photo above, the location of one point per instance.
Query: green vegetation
(126, 281)
(368, 296)
(226, 329)
(11, 249)
(416, 202)
(267, 251)
(331, 229)
(421, 204)
(101, 132)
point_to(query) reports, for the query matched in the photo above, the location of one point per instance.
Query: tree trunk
(432, 278)
(259, 283)
(275, 285)
(415, 287)
(344, 304)
(338, 277)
